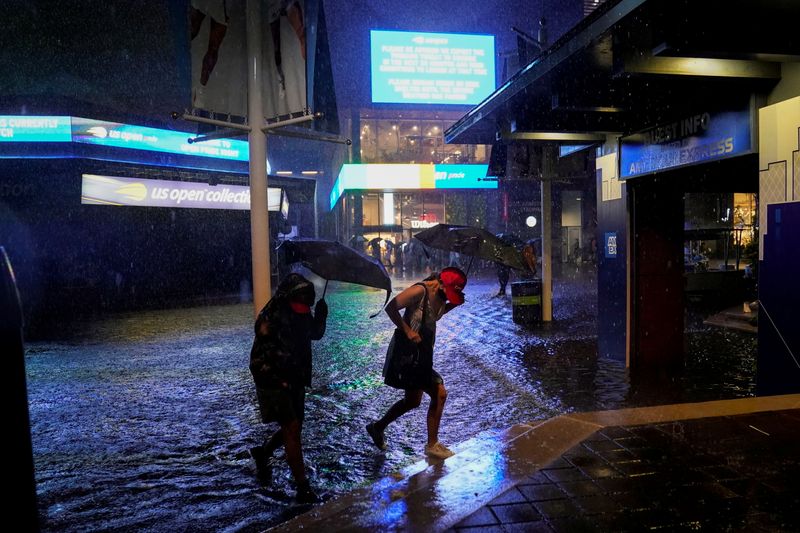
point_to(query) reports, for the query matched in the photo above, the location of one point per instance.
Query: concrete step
(734, 318)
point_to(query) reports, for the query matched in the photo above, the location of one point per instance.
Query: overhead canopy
(634, 63)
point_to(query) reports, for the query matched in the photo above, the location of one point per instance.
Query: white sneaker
(438, 451)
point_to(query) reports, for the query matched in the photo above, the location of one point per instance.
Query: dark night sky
(130, 57)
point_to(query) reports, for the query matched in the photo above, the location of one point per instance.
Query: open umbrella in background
(511, 240)
(332, 260)
(472, 241)
(357, 242)
(374, 247)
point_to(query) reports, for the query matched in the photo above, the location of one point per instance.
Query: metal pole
(316, 211)
(214, 122)
(287, 122)
(259, 216)
(548, 164)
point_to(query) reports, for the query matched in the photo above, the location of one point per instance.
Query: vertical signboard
(610, 245)
(293, 46)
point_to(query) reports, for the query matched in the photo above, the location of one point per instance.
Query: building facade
(693, 110)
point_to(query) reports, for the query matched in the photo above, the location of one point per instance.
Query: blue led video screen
(431, 68)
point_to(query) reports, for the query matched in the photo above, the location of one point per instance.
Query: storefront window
(371, 209)
(719, 231)
(369, 141)
(745, 215)
(432, 208)
(414, 141)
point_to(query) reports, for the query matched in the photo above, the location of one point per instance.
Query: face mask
(300, 307)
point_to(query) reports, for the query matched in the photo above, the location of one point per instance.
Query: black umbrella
(332, 260)
(475, 242)
(511, 240)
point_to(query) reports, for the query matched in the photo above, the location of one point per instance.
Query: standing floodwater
(143, 421)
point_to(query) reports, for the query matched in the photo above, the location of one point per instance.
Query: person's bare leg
(410, 400)
(294, 452)
(215, 37)
(438, 396)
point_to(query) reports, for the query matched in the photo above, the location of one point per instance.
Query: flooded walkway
(727, 465)
(143, 421)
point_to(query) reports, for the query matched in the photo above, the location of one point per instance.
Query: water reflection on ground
(143, 420)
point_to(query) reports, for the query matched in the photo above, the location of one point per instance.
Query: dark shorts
(282, 405)
(436, 379)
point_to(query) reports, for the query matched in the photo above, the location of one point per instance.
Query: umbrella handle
(385, 303)
(324, 290)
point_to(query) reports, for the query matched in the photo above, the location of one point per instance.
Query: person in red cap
(280, 362)
(409, 359)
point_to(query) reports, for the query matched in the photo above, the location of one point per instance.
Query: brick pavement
(729, 465)
(731, 473)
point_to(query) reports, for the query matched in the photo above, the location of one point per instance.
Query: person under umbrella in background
(375, 248)
(409, 359)
(503, 273)
(503, 270)
(389, 263)
(280, 362)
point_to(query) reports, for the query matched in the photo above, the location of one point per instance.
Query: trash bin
(526, 302)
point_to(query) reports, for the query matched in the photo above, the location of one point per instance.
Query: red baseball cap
(453, 282)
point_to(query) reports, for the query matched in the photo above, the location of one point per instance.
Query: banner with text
(392, 177)
(34, 129)
(104, 133)
(693, 139)
(110, 190)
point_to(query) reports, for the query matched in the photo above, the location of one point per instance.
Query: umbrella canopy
(375, 240)
(476, 242)
(334, 261)
(511, 240)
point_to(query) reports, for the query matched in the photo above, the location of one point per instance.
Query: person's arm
(408, 298)
(320, 320)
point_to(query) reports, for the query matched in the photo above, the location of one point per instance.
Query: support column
(658, 280)
(548, 171)
(259, 216)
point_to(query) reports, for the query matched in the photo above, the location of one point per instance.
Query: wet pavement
(143, 420)
(726, 465)
(731, 473)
